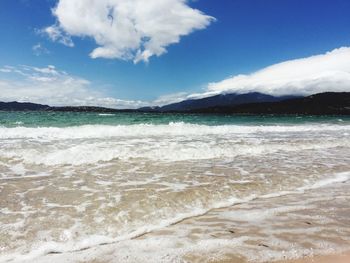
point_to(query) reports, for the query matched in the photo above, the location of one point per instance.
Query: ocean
(137, 187)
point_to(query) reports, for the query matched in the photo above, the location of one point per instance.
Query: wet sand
(340, 258)
(294, 228)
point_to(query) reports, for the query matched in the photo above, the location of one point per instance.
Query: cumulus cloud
(54, 87)
(126, 29)
(315, 74)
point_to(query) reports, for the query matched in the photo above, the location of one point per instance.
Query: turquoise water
(66, 119)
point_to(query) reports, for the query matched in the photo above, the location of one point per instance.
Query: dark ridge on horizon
(22, 106)
(87, 109)
(328, 103)
(223, 100)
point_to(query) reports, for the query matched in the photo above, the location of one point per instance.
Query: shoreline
(288, 229)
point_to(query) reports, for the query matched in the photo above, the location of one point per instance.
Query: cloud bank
(126, 29)
(315, 74)
(54, 87)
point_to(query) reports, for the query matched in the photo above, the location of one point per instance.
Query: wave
(171, 129)
(91, 144)
(168, 152)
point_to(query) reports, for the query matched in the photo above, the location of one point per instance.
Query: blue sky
(239, 37)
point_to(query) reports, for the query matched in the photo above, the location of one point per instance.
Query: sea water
(71, 182)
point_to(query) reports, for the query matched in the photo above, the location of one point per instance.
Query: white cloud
(56, 34)
(170, 98)
(306, 76)
(315, 74)
(51, 86)
(39, 49)
(126, 29)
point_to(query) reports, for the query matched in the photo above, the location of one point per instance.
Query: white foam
(18, 169)
(165, 150)
(258, 215)
(106, 114)
(337, 178)
(173, 142)
(38, 175)
(95, 240)
(172, 129)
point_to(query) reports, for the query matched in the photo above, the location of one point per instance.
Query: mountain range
(328, 103)
(22, 106)
(221, 100)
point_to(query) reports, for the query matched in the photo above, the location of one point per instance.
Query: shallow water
(71, 181)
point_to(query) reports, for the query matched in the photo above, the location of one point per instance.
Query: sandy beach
(295, 228)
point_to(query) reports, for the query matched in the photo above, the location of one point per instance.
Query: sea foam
(171, 129)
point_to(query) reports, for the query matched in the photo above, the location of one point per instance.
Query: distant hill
(221, 101)
(22, 106)
(27, 106)
(85, 109)
(328, 103)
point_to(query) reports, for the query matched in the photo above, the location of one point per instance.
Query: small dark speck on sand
(263, 245)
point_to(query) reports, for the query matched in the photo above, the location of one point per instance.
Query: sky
(133, 53)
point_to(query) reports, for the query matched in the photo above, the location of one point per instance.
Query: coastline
(178, 190)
